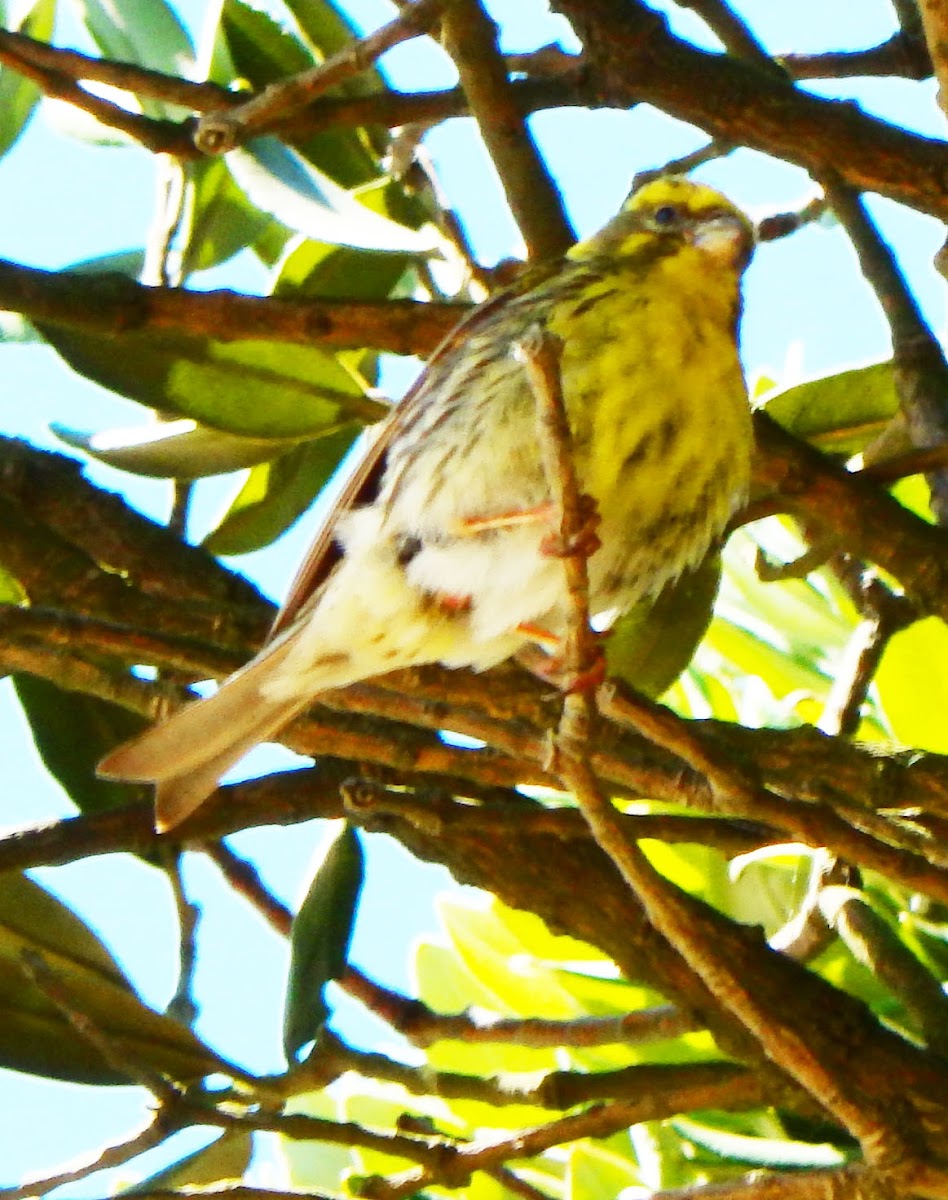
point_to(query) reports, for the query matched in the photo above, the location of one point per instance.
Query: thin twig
(597, 1121)
(244, 879)
(128, 77)
(735, 34)
(218, 132)
(183, 1006)
(415, 1021)
(900, 56)
(157, 1131)
(921, 372)
(885, 614)
(158, 136)
(48, 982)
(780, 225)
(715, 149)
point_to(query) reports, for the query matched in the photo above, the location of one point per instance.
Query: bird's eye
(666, 216)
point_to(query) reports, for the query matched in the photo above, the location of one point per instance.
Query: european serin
(435, 552)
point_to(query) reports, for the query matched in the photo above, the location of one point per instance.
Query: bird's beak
(727, 238)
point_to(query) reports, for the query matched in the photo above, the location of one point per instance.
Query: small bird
(438, 549)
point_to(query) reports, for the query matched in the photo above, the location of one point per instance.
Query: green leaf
(19, 95)
(37, 930)
(224, 1160)
(260, 51)
(842, 413)
(595, 1173)
(319, 942)
(277, 493)
(174, 449)
(651, 645)
(912, 685)
(328, 29)
(327, 271)
(146, 32)
(252, 388)
(219, 221)
(280, 181)
(776, 1153)
(72, 732)
(11, 590)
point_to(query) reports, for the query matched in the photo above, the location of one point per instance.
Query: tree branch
(632, 57)
(116, 304)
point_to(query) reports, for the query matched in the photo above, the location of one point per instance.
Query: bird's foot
(583, 542)
(544, 659)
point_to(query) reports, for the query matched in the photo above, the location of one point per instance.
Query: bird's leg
(585, 541)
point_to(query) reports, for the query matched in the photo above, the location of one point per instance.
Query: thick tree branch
(632, 57)
(116, 304)
(470, 37)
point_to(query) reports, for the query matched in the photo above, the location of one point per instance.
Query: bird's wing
(363, 486)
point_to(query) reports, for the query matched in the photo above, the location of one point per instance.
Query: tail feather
(365, 620)
(186, 755)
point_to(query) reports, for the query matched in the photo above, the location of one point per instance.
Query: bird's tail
(186, 755)
(365, 620)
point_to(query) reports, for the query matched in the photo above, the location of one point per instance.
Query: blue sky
(808, 313)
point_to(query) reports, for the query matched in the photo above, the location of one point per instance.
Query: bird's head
(671, 212)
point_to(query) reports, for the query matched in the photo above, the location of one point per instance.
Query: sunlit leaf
(281, 182)
(332, 272)
(180, 449)
(11, 590)
(841, 413)
(912, 685)
(594, 1173)
(148, 33)
(775, 1153)
(218, 220)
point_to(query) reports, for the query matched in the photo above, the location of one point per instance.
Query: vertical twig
(182, 1005)
(681, 919)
